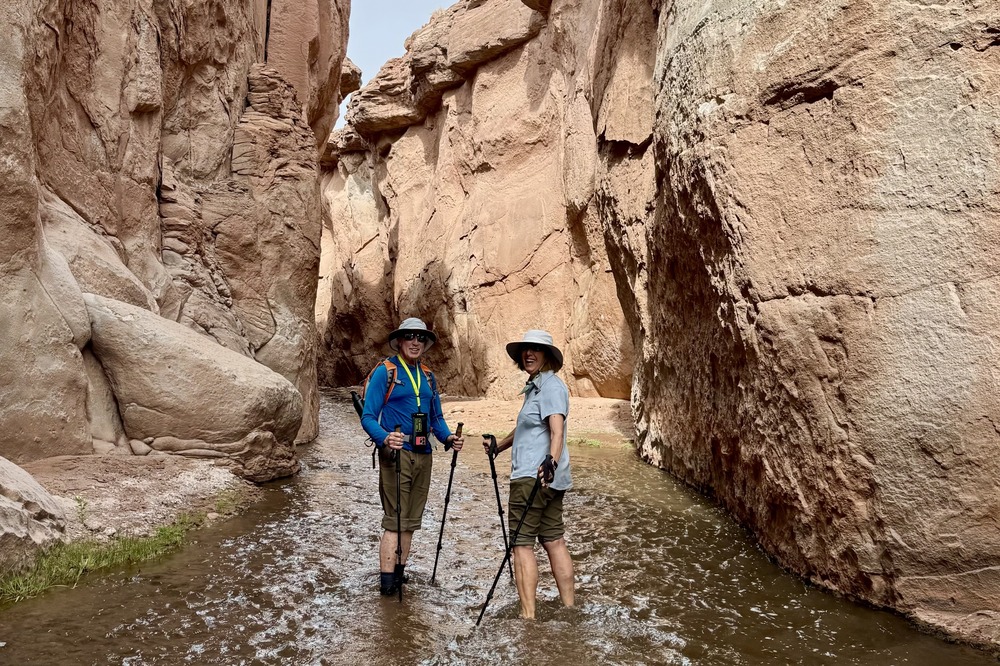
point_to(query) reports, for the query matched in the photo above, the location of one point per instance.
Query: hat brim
(394, 337)
(551, 351)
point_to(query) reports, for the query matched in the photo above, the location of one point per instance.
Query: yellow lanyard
(414, 384)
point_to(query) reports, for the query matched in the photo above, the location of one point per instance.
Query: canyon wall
(822, 352)
(160, 216)
(462, 192)
(798, 204)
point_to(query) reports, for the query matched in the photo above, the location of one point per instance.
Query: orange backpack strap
(390, 372)
(430, 377)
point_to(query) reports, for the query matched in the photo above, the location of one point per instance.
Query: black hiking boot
(387, 584)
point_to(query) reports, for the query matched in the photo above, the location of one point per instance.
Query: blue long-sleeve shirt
(379, 417)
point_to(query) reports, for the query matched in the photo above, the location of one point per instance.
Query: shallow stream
(663, 576)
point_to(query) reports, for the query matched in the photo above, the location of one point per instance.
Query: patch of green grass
(228, 502)
(81, 509)
(583, 441)
(64, 564)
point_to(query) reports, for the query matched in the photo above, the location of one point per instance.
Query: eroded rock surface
(149, 156)
(30, 518)
(812, 295)
(185, 392)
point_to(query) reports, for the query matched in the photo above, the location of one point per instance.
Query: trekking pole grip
(458, 433)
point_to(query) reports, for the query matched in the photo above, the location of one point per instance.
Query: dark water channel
(663, 578)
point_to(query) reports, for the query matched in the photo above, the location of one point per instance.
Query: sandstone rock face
(42, 385)
(306, 45)
(796, 201)
(148, 156)
(812, 294)
(463, 192)
(30, 518)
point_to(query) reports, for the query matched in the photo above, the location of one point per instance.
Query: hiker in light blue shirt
(539, 451)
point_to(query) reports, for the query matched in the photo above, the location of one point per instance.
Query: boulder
(172, 382)
(31, 519)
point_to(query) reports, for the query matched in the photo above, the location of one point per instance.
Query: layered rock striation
(159, 226)
(797, 203)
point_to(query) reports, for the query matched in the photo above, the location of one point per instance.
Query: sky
(378, 30)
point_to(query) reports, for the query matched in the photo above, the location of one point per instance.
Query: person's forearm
(438, 425)
(441, 430)
(557, 425)
(371, 426)
(505, 443)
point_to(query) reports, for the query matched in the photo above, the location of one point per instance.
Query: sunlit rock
(815, 295)
(30, 518)
(118, 177)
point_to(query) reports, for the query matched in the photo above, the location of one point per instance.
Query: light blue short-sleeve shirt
(548, 396)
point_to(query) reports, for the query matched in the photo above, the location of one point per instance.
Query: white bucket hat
(541, 339)
(412, 325)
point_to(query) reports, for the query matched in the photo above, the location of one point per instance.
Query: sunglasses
(419, 337)
(535, 348)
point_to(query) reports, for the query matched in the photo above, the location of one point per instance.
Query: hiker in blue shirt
(402, 392)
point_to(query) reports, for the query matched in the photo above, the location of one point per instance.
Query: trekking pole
(399, 520)
(447, 496)
(493, 453)
(510, 548)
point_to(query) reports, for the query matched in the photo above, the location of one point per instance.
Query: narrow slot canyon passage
(663, 577)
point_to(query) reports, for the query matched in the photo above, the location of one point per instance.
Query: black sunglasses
(534, 348)
(419, 337)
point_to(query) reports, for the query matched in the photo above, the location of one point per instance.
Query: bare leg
(562, 569)
(526, 577)
(407, 539)
(387, 549)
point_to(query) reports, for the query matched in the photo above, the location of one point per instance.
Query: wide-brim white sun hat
(540, 338)
(412, 325)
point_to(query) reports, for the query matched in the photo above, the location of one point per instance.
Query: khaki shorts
(415, 480)
(544, 520)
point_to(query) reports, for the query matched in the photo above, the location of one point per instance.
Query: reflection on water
(663, 578)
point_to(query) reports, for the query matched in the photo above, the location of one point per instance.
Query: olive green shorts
(544, 520)
(415, 480)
